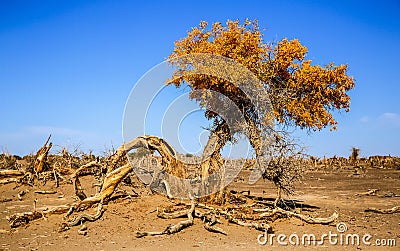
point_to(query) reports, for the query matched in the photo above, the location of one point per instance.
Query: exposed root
(174, 215)
(392, 210)
(302, 217)
(173, 228)
(8, 180)
(258, 226)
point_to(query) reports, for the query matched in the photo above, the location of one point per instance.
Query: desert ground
(322, 191)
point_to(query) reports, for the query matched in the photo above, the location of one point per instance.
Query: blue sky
(67, 67)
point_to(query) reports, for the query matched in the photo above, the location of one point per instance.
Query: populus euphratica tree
(302, 94)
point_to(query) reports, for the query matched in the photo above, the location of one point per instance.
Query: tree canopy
(302, 94)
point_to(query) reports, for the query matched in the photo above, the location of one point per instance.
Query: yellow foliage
(301, 93)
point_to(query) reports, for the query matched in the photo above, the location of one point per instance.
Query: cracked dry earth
(321, 192)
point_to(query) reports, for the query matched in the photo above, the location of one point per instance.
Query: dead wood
(78, 189)
(258, 226)
(173, 228)
(41, 156)
(21, 193)
(109, 184)
(10, 173)
(392, 210)
(45, 192)
(87, 217)
(302, 217)
(369, 192)
(210, 221)
(8, 180)
(83, 230)
(174, 215)
(20, 219)
(83, 170)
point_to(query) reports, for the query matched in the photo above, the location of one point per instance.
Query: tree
(301, 94)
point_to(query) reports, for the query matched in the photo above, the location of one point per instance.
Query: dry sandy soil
(319, 194)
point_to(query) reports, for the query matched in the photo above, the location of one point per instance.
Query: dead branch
(392, 210)
(173, 228)
(174, 215)
(8, 180)
(45, 192)
(41, 156)
(369, 192)
(83, 169)
(83, 230)
(10, 173)
(110, 182)
(258, 226)
(20, 219)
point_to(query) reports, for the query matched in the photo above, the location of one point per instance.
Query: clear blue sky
(67, 67)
